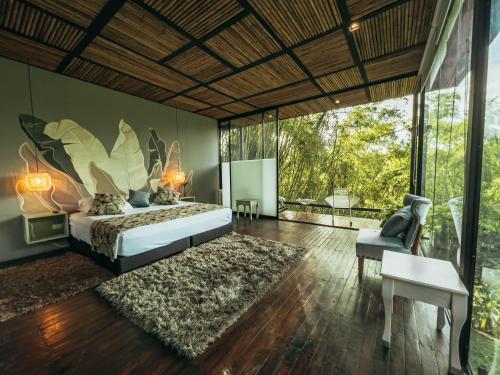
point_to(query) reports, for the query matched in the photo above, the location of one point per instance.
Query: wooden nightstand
(45, 226)
(189, 198)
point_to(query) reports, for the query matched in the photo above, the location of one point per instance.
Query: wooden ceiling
(222, 58)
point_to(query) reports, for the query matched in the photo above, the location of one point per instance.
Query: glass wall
(485, 336)
(248, 161)
(360, 155)
(445, 127)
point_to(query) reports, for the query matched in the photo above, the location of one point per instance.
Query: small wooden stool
(247, 202)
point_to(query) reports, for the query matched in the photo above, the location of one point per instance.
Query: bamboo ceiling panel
(216, 113)
(360, 8)
(341, 80)
(325, 55)
(109, 54)
(307, 107)
(186, 103)
(81, 12)
(297, 20)
(197, 17)
(284, 95)
(352, 98)
(198, 64)
(394, 64)
(29, 21)
(244, 42)
(139, 30)
(225, 57)
(394, 89)
(272, 74)
(238, 107)
(26, 50)
(395, 29)
(247, 120)
(100, 75)
(209, 96)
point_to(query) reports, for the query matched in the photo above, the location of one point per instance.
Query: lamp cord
(32, 112)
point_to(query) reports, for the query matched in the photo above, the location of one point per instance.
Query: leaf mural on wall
(155, 177)
(52, 149)
(81, 146)
(103, 181)
(157, 151)
(66, 192)
(188, 187)
(80, 166)
(127, 150)
(125, 164)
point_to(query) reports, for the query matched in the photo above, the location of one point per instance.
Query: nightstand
(45, 226)
(189, 198)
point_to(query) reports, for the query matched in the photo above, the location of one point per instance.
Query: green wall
(99, 110)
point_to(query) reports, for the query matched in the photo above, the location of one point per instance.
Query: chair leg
(361, 265)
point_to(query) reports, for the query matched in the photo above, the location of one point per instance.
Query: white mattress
(137, 240)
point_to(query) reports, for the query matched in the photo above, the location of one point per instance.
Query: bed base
(124, 264)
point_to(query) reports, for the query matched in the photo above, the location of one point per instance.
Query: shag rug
(30, 286)
(190, 299)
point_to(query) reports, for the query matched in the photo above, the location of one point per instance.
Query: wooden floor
(318, 320)
(323, 219)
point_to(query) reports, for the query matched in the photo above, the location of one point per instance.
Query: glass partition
(250, 171)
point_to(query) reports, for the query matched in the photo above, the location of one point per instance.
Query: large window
(446, 106)
(363, 149)
(485, 337)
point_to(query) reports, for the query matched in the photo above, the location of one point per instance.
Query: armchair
(371, 244)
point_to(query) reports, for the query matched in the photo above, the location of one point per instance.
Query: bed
(147, 243)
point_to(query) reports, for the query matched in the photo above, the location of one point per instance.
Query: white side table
(428, 280)
(247, 202)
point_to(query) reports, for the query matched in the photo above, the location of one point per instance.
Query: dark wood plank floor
(318, 320)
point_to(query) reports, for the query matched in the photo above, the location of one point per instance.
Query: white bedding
(137, 240)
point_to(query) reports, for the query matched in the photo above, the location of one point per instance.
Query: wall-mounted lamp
(37, 182)
(337, 101)
(180, 177)
(355, 26)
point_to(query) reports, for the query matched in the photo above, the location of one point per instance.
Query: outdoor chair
(371, 244)
(341, 199)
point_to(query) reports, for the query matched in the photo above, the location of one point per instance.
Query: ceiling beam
(107, 12)
(346, 22)
(339, 92)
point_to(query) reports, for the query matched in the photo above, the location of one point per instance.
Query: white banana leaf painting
(80, 166)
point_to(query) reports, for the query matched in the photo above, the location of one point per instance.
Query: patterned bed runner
(105, 232)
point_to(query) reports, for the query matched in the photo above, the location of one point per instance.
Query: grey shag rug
(30, 286)
(190, 299)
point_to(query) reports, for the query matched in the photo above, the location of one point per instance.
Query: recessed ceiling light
(270, 116)
(337, 101)
(355, 26)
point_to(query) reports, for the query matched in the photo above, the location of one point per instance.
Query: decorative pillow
(85, 204)
(398, 223)
(138, 198)
(166, 196)
(107, 204)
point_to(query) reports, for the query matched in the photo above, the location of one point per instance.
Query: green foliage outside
(365, 149)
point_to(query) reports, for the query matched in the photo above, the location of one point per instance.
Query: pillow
(166, 196)
(138, 198)
(85, 204)
(398, 223)
(107, 204)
